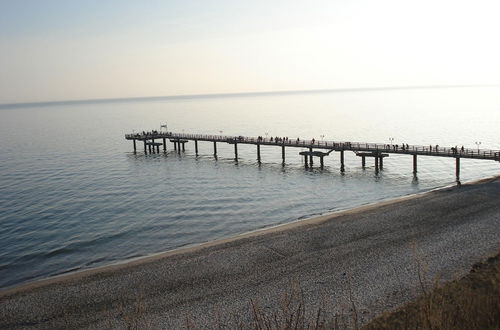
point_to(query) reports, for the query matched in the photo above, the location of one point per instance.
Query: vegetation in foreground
(472, 302)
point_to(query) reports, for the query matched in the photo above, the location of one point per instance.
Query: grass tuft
(472, 302)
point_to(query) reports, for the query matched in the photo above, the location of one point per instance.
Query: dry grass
(293, 315)
(472, 302)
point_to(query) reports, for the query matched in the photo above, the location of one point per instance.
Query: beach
(369, 257)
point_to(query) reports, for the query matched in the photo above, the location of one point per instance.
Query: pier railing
(430, 150)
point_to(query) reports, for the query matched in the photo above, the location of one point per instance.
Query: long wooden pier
(377, 151)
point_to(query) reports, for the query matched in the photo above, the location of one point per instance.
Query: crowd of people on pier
(436, 148)
(275, 139)
(151, 133)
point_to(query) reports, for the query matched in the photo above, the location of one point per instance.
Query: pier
(377, 151)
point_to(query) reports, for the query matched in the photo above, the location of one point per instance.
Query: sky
(65, 50)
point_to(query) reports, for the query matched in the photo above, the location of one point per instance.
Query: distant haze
(60, 50)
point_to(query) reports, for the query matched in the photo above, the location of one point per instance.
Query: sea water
(73, 195)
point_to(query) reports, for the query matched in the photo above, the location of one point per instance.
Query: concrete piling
(342, 167)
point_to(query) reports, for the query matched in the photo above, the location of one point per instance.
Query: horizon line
(232, 94)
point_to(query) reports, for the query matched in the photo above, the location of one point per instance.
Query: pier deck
(330, 145)
(362, 149)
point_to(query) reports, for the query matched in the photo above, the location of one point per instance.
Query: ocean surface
(73, 195)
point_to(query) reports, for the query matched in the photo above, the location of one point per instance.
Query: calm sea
(73, 195)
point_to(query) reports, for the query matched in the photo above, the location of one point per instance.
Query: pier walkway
(378, 151)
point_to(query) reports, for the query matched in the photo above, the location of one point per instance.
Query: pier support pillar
(145, 150)
(305, 161)
(175, 145)
(311, 157)
(196, 147)
(149, 147)
(236, 151)
(414, 164)
(215, 149)
(457, 168)
(342, 167)
(183, 146)
(164, 144)
(321, 161)
(376, 164)
(363, 161)
(157, 149)
(283, 154)
(135, 147)
(258, 153)
(381, 163)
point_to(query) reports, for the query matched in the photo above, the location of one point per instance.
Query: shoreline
(195, 247)
(369, 255)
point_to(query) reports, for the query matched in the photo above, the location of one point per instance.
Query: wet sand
(368, 256)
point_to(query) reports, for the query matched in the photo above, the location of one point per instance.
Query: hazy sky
(59, 50)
